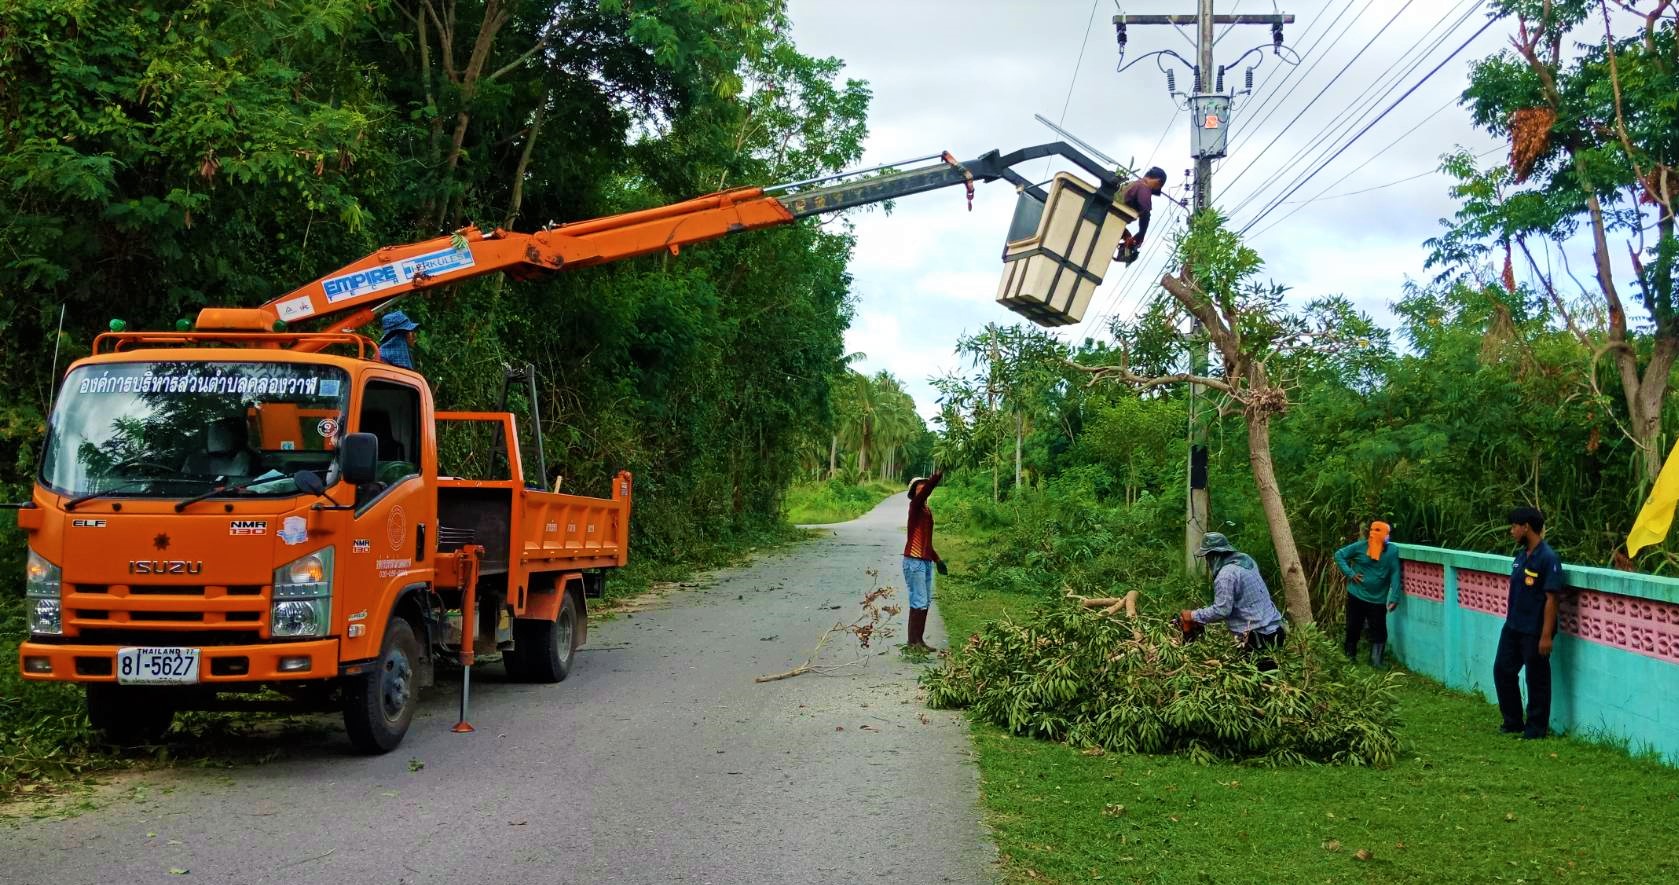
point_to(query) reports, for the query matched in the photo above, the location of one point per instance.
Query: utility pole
(1209, 107)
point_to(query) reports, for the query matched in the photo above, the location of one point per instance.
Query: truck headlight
(43, 585)
(303, 596)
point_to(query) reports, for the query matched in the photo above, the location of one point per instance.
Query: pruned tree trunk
(833, 456)
(517, 199)
(1019, 431)
(1297, 593)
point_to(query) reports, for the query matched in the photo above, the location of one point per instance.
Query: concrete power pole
(1209, 107)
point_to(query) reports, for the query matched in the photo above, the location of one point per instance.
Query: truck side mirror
(358, 455)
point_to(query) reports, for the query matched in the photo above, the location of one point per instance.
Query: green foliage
(161, 157)
(157, 157)
(877, 432)
(1066, 674)
(834, 501)
(43, 729)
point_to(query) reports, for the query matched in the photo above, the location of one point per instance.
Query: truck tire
(543, 651)
(379, 704)
(128, 715)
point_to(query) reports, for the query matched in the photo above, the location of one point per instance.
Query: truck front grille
(205, 608)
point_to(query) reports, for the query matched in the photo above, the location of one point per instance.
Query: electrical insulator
(1220, 87)
(1249, 79)
(1277, 34)
(1119, 34)
(1171, 84)
(1198, 87)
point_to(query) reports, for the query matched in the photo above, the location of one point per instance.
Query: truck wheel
(544, 651)
(379, 704)
(128, 715)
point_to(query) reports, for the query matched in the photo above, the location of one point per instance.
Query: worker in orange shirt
(920, 559)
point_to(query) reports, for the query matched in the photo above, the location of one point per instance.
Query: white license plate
(157, 666)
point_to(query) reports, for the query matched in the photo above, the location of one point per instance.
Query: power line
(1289, 71)
(1144, 271)
(1360, 107)
(1270, 97)
(1320, 197)
(1157, 143)
(1333, 138)
(1396, 102)
(1326, 87)
(1380, 82)
(1079, 63)
(1125, 283)
(1229, 27)
(1385, 148)
(1299, 204)
(1073, 80)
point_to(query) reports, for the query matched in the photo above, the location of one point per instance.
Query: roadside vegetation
(833, 501)
(1458, 802)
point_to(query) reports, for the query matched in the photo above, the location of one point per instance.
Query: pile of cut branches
(1081, 674)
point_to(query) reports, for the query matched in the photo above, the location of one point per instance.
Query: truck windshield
(170, 429)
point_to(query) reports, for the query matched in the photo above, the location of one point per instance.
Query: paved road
(658, 761)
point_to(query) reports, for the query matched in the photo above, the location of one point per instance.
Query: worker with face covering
(1372, 569)
(1240, 599)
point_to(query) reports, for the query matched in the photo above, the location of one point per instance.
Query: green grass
(821, 503)
(1464, 804)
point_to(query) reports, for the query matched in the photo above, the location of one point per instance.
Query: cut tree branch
(1126, 376)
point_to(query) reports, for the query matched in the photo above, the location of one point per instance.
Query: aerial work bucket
(1058, 250)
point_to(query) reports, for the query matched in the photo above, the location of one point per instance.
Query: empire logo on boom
(165, 567)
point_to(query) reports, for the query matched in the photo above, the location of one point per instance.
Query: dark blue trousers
(1518, 651)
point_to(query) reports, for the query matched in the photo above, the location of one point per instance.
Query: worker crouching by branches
(1240, 599)
(920, 558)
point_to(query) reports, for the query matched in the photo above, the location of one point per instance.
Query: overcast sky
(967, 76)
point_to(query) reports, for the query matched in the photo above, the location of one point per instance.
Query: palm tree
(840, 390)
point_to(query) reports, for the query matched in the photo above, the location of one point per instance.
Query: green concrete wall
(1615, 664)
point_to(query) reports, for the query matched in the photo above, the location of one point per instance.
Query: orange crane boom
(350, 295)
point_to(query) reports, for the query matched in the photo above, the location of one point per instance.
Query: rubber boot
(917, 626)
(1376, 649)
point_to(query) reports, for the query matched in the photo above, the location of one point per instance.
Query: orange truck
(243, 513)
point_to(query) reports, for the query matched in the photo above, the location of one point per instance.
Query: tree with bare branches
(1590, 119)
(1259, 344)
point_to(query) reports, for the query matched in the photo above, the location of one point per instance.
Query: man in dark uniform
(1530, 627)
(1139, 197)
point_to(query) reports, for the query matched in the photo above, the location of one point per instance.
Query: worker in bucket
(1139, 197)
(1371, 566)
(1240, 599)
(920, 559)
(396, 345)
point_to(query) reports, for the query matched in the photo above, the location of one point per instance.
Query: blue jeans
(918, 579)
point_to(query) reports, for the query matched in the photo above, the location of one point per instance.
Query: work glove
(1186, 621)
(939, 564)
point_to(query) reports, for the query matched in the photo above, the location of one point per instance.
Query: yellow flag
(1657, 516)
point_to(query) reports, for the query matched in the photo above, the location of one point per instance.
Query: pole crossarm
(1284, 19)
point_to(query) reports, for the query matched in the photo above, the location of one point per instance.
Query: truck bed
(539, 531)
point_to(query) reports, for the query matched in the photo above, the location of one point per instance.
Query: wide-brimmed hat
(1214, 542)
(913, 482)
(396, 321)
